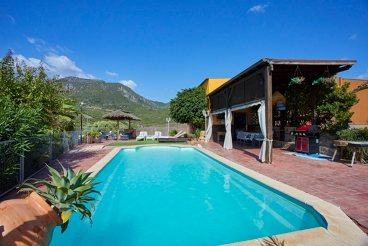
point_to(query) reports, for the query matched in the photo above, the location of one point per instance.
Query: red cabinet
(302, 144)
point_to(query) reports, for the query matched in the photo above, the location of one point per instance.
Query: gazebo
(256, 85)
(120, 115)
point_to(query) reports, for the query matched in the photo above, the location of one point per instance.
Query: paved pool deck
(335, 182)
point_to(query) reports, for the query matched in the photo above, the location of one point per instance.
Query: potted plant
(31, 221)
(96, 137)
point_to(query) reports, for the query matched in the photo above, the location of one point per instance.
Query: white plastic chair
(142, 135)
(155, 136)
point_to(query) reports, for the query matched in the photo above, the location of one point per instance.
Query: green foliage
(67, 194)
(173, 132)
(334, 104)
(28, 88)
(95, 134)
(102, 98)
(108, 124)
(298, 104)
(188, 105)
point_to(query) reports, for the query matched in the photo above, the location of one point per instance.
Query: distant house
(360, 116)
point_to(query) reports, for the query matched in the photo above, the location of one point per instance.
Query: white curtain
(262, 124)
(209, 128)
(228, 143)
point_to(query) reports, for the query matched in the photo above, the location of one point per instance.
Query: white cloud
(111, 73)
(363, 76)
(258, 8)
(129, 83)
(30, 62)
(353, 37)
(56, 65)
(63, 66)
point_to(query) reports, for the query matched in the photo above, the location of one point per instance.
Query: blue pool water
(180, 196)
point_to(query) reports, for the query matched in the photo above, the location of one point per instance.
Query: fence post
(21, 169)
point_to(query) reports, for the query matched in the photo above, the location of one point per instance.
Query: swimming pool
(180, 196)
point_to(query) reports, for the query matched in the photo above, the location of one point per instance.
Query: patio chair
(155, 136)
(242, 136)
(142, 135)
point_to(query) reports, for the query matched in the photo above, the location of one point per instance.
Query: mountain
(101, 98)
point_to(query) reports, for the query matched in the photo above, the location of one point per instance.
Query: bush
(173, 132)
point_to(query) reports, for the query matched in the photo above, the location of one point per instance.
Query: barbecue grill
(307, 139)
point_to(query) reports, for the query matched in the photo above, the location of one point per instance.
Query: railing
(16, 167)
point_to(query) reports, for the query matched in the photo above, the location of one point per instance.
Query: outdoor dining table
(360, 147)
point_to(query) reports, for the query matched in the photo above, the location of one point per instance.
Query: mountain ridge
(103, 97)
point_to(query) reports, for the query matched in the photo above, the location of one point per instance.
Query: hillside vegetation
(99, 98)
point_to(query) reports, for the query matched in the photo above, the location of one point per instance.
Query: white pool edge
(341, 230)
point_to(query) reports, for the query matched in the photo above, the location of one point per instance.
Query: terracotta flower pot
(28, 221)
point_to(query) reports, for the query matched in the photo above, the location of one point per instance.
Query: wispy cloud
(111, 73)
(258, 8)
(35, 40)
(363, 76)
(31, 40)
(129, 83)
(353, 37)
(11, 19)
(63, 49)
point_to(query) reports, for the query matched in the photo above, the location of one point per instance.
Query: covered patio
(250, 93)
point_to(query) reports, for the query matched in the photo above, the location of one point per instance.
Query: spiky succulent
(67, 194)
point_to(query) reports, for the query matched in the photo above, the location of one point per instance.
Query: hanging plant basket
(296, 80)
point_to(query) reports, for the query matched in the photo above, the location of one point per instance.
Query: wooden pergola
(262, 79)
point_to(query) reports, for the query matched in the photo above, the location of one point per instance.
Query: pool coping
(341, 230)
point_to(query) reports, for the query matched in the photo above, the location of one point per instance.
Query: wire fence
(17, 166)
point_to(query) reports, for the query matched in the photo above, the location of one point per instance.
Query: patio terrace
(334, 182)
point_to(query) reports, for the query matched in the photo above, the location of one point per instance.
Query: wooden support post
(268, 107)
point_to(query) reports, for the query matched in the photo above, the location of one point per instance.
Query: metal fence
(16, 166)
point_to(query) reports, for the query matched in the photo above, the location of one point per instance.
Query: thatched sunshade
(120, 115)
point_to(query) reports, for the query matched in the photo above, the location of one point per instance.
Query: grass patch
(147, 142)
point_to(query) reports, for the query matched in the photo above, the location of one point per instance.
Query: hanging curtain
(262, 124)
(228, 143)
(209, 128)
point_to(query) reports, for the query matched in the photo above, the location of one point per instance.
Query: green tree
(188, 105)
(31, 87)
(334, 104)
(17, 121)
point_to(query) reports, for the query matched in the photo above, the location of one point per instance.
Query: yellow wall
(360, 110)
(211, 84)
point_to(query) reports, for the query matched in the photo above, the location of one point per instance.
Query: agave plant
(67, 194)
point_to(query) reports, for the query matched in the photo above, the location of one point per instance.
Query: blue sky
(160, 47)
